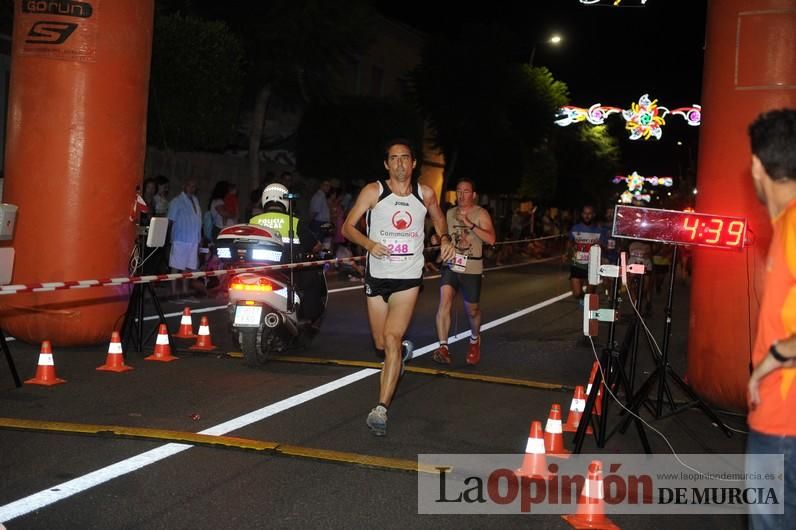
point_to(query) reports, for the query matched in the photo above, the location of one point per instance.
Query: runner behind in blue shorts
(581, 238)
(471, 227)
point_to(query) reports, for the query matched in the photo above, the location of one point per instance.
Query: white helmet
(275, 192)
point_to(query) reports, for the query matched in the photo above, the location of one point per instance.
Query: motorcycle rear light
(263, 285)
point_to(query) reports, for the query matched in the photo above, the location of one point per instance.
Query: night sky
(610, 55)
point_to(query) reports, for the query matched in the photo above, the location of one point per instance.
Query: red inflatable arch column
(75, 152)
(750, 67)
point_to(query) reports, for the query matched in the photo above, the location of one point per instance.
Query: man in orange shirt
(772, 385)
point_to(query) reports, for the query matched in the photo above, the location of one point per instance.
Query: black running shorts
(384, 287)
(578, 273)
(468, 284)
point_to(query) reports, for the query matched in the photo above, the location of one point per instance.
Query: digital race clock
(682, 228)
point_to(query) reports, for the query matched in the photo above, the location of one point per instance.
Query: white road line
(489, 325)
(67, 489)
(64, 490)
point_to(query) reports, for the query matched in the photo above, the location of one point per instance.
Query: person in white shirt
(396, 210)
(186, 228)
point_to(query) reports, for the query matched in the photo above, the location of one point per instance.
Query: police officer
(275, 217)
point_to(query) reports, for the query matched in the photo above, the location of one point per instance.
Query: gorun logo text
(69, 8)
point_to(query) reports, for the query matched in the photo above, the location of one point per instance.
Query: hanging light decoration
(635, 186)
(644, 119)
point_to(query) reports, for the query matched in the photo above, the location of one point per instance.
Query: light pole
(555, 40)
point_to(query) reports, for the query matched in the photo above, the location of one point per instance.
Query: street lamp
(555, 39)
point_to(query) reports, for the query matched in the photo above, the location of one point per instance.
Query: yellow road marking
(319, 360)
(430, 371)
(355, 458)
(232, 442)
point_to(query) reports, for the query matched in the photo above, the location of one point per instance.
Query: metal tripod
(612, 362)
(133, 324)
(664, 369)
(9, 359)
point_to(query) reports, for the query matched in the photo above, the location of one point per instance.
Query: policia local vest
(278, 222)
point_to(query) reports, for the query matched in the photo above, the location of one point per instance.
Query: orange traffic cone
(591, 508)
(114, 362)
(553, 436)
(598, 403)
(576, 409)
(45, 371)
(162, 347)
(203, 341)
(186, 325)
(534, 464)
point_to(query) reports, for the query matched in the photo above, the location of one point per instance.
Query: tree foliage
(541, 177)
(296, 51)
(492, 117)
(587, 158)
(486, 111)
(196, 83)
(300, 47)
(297, 47)
(345, 140)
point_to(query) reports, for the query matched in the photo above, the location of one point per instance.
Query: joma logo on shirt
(399, 203)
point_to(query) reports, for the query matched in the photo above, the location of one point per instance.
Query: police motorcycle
(271, 311)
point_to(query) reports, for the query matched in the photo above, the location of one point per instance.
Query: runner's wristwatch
(776, 354)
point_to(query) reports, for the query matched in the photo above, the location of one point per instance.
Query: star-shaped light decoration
(644, 119)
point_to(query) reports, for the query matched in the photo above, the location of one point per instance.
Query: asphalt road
(65, 480)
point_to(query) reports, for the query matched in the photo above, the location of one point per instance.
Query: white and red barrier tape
(130, 280)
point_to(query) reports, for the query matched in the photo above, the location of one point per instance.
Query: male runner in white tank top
(396, 210)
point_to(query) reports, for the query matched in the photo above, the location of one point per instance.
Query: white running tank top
(397, 223)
